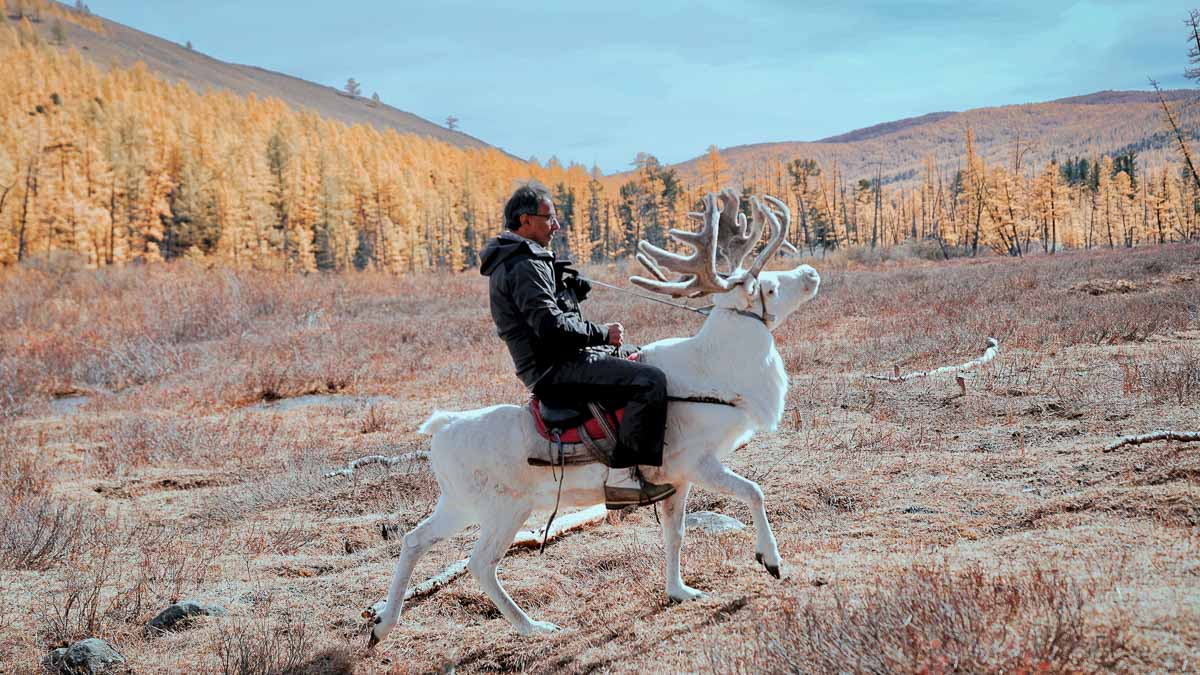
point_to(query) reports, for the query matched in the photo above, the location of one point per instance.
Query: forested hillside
(120, 165)
(108, 43)
(111, 166)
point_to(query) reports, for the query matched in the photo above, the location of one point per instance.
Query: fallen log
(988, 354)
(378, 459)
(1183, 436)
(524, 539)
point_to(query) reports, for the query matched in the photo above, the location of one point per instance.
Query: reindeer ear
(750, 285)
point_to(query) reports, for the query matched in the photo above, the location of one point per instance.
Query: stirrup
(616, 498)
(619, 497)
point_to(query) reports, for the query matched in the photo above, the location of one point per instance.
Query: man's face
(541, 226)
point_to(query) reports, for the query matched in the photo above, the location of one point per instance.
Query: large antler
(734, 239)
(725, 234)
(699, 269)
(778, 230)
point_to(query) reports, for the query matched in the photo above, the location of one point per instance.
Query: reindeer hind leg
(674, 513)
(495, 536)
(444, 522)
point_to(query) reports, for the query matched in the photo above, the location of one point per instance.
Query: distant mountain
(124, 46)
(886, 128)
(1105, 122)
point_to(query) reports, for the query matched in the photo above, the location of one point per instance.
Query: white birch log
(454, 571)
(524, 539)
(1184, 436)
(561, 526)
(988, 355)
(378, 459)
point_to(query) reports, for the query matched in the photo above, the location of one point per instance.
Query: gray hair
(526, 199)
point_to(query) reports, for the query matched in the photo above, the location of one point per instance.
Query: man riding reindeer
(559, 355)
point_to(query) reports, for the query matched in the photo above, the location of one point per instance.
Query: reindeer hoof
(372, 640)
(536, 627)
(686, 594)
(773, 570)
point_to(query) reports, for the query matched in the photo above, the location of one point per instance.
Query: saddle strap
(593, 450)
(601, 416)
(602, 449)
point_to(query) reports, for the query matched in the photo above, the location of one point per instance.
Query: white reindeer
(479, 456)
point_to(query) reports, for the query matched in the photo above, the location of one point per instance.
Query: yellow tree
(1124, 195)
(975, 191)
(1106, 204)
(1049, 205)
(715, 170)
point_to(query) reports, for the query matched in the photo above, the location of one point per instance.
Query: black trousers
(614, 381)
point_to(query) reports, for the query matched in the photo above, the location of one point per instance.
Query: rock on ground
(89, 656)
(179, 615)
(713, 523)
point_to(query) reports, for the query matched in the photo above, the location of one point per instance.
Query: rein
(765, 317)
(702, 311)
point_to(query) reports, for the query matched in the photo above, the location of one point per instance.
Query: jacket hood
(504, 247)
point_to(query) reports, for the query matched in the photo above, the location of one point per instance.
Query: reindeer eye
(771, 292)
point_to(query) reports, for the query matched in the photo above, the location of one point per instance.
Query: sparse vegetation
(192, 470)
(937, 619)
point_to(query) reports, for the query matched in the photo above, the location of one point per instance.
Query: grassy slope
(912, 522)
(1085, 126)
(125, 46)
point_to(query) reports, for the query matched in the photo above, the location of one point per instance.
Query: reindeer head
(725, 238)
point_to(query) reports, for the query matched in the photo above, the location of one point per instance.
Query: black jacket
(535, 304)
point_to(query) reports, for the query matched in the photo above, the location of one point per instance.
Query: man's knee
(654, 382)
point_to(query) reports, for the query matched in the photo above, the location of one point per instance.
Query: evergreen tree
(194, 219)
(564, 205)
(278, 156)
(364, 252)
(594, 216)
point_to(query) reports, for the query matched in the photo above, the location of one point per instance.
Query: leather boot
(627, 488)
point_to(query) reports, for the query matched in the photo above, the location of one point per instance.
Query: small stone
(90, 656)
(53, 660)
(179, 615)
(919, 509)
(713, 523)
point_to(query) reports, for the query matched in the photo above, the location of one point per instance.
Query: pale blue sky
(600, 82)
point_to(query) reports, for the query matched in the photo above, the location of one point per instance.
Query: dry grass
(938, 620)
(192, 470)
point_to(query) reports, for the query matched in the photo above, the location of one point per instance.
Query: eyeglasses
(549, 218)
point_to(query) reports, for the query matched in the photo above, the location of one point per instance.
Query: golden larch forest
(110, 167)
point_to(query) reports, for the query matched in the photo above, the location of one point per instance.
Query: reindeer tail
(436, 421)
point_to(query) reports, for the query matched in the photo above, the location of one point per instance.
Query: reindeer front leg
(674, 514)
(715, 476)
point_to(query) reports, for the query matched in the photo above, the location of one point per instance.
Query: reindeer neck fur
(737, 354)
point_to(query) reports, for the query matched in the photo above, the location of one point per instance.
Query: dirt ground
(166, 431)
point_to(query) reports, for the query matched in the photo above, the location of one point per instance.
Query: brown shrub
(935, 620)
(1174, 378)
(262, 647)
(43, 532)
(38, 531)
(375, 420)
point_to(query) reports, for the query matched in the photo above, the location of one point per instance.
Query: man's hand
(616, 334)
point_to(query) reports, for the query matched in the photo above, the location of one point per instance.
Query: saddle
(577, 433)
